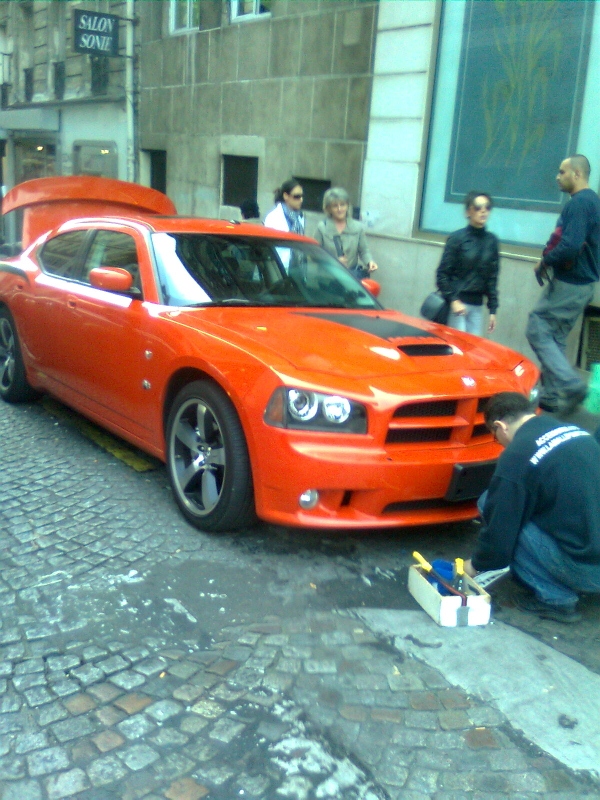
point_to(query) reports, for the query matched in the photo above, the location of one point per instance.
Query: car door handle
(71, 303)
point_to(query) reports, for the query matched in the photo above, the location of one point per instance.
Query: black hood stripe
(377, 326)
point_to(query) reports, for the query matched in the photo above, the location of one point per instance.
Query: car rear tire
(13, 381)
(208, 461)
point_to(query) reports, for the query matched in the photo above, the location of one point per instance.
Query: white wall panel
(399, 139)
(400, 13)
(399, 95)
(403, 50)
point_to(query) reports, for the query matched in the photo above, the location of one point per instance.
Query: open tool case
(446, 609)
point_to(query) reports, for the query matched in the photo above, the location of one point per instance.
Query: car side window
(62, 255)
(114, 249)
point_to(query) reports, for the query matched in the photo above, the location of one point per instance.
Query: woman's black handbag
(435, 308)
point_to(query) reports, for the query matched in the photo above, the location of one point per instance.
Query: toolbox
(447, 610)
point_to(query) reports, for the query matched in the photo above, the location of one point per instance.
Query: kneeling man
(541, 513)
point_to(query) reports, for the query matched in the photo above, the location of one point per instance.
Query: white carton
(443, 608)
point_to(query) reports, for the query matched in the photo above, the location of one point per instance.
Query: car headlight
(302, 409)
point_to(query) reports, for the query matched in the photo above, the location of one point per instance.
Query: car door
(46, 322)
(109, 351)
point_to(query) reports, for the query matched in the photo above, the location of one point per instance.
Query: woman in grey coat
(342, 236)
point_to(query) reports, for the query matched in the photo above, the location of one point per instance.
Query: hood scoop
(426, 349)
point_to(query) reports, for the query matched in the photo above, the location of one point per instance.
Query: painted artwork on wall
(518, 99)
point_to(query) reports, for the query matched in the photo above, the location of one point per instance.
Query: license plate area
(469, 481)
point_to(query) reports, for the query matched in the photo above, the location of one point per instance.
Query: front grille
(411, 435)
(433, 408)
(437, 422)
(481, 430)
(426, 349)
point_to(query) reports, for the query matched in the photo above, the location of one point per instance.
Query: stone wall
(291, 88)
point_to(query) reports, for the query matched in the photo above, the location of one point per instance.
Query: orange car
(270, 381)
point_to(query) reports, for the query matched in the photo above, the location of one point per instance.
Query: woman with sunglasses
(287, 214)
(468, 271)
(342, 236)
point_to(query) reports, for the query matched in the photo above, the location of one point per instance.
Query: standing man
(541, 514)
(573, 254)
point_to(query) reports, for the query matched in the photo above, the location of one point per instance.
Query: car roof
(180, 224)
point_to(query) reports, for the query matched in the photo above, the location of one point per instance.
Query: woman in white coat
(287, 214)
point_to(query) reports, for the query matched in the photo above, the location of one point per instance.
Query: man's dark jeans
(554, 576)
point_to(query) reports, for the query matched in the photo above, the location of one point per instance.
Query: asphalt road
(104, 584)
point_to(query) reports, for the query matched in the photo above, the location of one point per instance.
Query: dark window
(114, 249)
(62, 255)
(28, 81)
(313, 192)
(99, 75)
(240, 179)
(4, 97)
(158, 170)
(59, 80)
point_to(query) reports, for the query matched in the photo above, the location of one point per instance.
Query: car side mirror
(113, 279)
(371, 286)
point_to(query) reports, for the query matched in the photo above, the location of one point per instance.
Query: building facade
(237, 97)
(65, 110)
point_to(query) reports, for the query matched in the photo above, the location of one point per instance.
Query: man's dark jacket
(469, 267)
(550, 475)
(573, 250)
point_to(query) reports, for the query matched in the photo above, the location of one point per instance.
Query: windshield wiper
(231, 301)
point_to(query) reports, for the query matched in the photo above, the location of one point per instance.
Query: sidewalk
(284, 708)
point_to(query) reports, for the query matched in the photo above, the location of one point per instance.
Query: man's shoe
(568, 402)
(546, 610)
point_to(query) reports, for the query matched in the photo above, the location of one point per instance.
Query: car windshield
(201, 269)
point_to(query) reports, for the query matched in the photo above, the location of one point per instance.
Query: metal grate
(590, 353)
(481, 430)
(433, 408)
(411, 435)
(483, 401)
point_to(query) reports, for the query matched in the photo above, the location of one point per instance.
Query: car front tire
(208, 461)
(14, 387)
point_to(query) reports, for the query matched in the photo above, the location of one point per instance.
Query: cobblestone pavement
(141, 659)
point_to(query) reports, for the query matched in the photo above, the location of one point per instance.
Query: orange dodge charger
(269, 380)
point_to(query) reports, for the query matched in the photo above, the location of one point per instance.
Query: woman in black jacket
(469, 267)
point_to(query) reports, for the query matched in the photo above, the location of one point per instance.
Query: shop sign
(95, 34)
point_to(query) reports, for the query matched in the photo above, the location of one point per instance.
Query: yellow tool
(459, 582)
